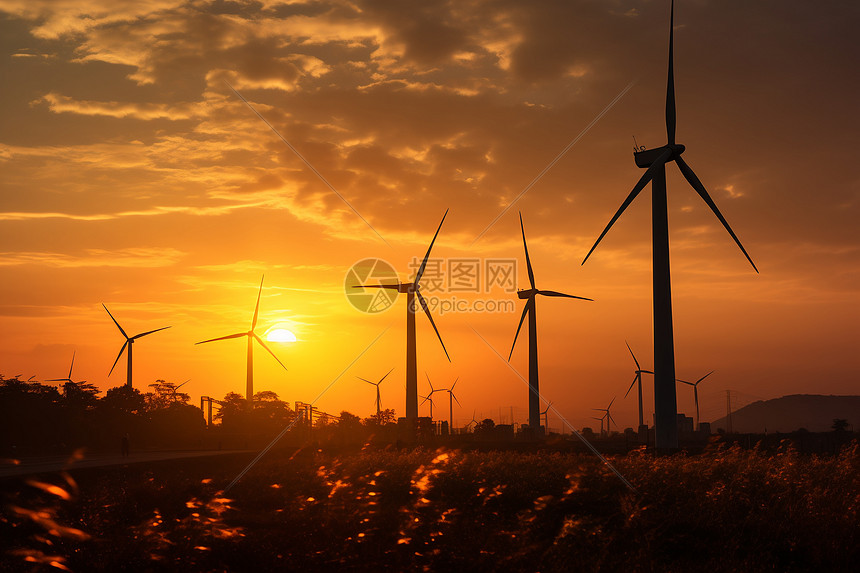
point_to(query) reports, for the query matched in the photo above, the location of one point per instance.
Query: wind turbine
(695, 386)
(530, 295)
(451, 399)
(413, 291)
(637, 379)
(378, 401)
(69, 378)
(607, 415)
(655, 160)
(129, 342)
(428, 397)
(601, 423)
(546, 417)
(252, 336)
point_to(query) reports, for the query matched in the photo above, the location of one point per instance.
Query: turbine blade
(427, 256)
(526, 249)
(697, 381)
(700, 189)
(454, 384)
(431, 384)
(670, 83)
(223, 338)
(684, 382)
(638, 368)
(366, 380)
(643, 181)
(456, 400)
(430, 317)
(522, 318)
(554, 293)
(257, 308)
(121, 350)
(631, 386)
(141, 335)
(386, 376)
(183, 384)
(115, 322)
(73, 364)
(610, 403)
(269, 350)
(646, 372)
(376, 286)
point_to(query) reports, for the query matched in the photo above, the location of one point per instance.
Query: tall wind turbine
(655, 160)
(530, 295)
(451, 399)
(252, 336)
(695, 386)
(378, 401)
(69, 378)
(637, 379)
(413, 291)
(129, 342)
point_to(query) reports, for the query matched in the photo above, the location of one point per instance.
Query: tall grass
(727, 509)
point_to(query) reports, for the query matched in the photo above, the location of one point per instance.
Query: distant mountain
(789, 413)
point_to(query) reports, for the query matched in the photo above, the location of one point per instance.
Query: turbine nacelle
(528, 293)
(647, 157)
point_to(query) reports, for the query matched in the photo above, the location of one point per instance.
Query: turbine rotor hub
(645, 158)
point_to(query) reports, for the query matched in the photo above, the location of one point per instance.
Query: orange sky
(133, 176)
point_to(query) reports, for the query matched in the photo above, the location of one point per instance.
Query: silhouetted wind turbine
(530, 294)
(451, 399)
(175, 388)
(252, 336)
(695, 386)
(69, 379)
(129, 342)
(546, 417)
(637, 379)
(413, 291)
(607, 415)
(601, 422)
(378, 401)
(429, 397)
(655, 160)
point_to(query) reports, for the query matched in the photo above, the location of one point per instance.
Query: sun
(279, 334)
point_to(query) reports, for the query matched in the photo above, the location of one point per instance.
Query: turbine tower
(413, 291)
(637, 379)
(252, 336)
(378, 401)
(695, 386)
(655, 160)
(546, 417)
(69, 378)
(129, 342)
(530, 295)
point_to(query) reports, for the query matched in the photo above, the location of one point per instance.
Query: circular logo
(361, 285)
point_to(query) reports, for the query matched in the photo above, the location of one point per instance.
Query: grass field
(443, 510)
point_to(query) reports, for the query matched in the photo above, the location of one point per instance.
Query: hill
(786, 414)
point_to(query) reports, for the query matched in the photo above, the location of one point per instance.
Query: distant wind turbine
(607, 415)
(429, 396)
(637, 379)
(413, 291)
(695, 386)
(378, 401)
(655, 160)
(546, 417)
(252, 336)
(530, 295)
(129, 342)
(67, 379)
(451, 399)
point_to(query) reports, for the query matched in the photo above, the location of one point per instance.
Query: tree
(485, 426)
(839, 425)
(124, 399)
(386, 416)
(164, 394)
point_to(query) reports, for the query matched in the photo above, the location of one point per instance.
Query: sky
(141, 169)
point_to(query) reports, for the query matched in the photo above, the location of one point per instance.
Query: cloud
(139, 257)
(62, 104)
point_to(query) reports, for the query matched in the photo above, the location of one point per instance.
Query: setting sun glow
(280, 335)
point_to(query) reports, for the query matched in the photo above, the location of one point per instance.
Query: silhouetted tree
(839, 424)
(386, 416)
